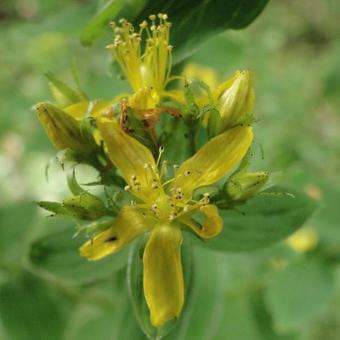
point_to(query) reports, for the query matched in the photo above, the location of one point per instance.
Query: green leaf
(58, 254)
(196, 21)
(298, 294)
(30, 309)
(135, 283)
(262, 221)
(214, 311)
(98, 23)
(193, 21)
(16, 221)
(95, 318)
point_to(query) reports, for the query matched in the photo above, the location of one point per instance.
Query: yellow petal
(85, 108)
(213, 160)
(163, 275)
(212, 223)
(132, 158)
(129, 224)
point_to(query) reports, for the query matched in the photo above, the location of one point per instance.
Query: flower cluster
(123, 139)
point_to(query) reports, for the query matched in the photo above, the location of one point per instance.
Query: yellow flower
(145, 64)
(163, 207)
(304, 240)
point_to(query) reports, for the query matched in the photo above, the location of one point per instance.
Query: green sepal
(85, 206)
(54, 207)
(191, 108)
(73, 184)
(95, 227)
(64, 94)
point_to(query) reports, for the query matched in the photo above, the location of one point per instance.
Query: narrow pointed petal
(211, 225)
(132, 158)
(163, 274)
(129, 224)
(213, 161)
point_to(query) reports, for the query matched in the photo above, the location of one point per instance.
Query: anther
(143, 24)
(152, 17)
(127, 187)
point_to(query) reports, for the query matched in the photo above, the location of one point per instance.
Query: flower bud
(85, 206)
(62, 129)
(241, 187)
(236, 99)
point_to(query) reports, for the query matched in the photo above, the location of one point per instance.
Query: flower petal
(212, 223)
(213, 160)
(82, 109)
(163, 274)
(132, 158)
(129, 224)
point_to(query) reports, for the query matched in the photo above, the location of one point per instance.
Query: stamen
(168, 181)
(150, 67)
(161, 151)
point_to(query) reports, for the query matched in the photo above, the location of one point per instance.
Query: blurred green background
(287, 291)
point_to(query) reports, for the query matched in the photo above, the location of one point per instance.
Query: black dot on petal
(111, 239)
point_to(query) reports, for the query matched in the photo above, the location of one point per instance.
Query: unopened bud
(85, 206)
(62, 129)
(241, 187)
(236, 99)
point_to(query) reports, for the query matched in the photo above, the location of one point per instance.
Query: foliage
(274, 293)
